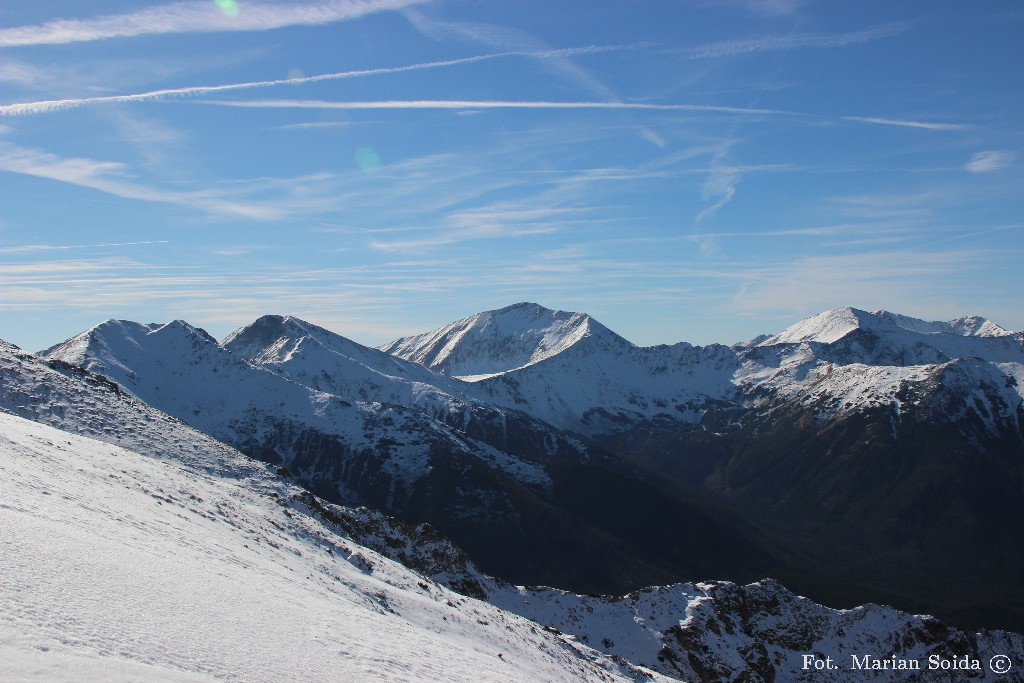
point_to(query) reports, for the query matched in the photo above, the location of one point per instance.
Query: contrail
(488, 104)
(908, 124)
(40, 107)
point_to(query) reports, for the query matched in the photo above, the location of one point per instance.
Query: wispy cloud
(114, 178)
(505, 38)
(29, 248)
(903, 207)
(500, 221)
(991, 160)
(720, 184)
(220, 298)
(43, 106)
(559, 63)
(731, 48)
(892, 280)
(315, 125)
(193, 17)
(479, 105)
(775, 7)
(20, 73)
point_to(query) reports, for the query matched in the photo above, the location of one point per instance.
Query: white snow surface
(119, 566)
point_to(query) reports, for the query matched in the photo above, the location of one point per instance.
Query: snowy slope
(118, 566)
(786, 433)
(78, 401)
(495, 502)
(594, 387)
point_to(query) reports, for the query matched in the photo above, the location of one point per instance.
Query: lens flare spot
(228, 7)
(367, 160)
(295, 74)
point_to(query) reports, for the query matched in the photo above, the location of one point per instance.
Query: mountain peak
(964, 326)
(827, 327)
(276, 338)
(493, 342)
(260, 334)
(832, 325)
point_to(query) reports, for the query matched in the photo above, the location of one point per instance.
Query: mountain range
(138, 547)
(844, 455)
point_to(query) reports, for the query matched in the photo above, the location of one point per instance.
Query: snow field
(116, 566)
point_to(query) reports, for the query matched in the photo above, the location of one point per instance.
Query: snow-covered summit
(184, 372)
(497, 341)
(826, 328)
(831, 326)
(327, 361)
(965, 326)
(106, 347)
(278, 338)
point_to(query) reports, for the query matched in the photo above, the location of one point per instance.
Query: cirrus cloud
(988, 161)
(193, 17)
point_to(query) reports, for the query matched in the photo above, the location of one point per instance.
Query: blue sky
(701, 170)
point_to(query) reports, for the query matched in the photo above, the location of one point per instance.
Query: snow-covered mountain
(537, 438)
(148, 550)
(847, 359)
(494, 342)
(184, 372)
(573, 372)
(327, 362)
(833, 325)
